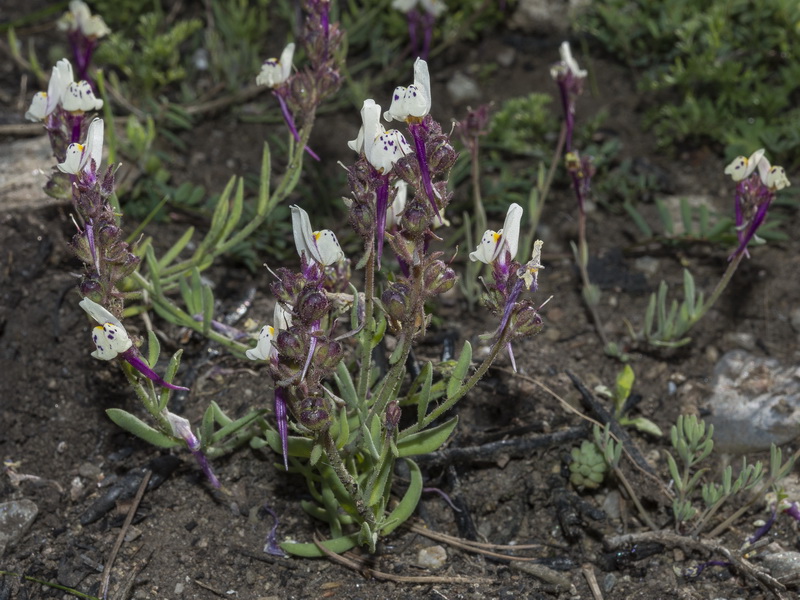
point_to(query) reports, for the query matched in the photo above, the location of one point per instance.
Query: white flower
(79, 156)
(44, 103)
(275, 71)
(529, 272)
(432, 7)
(382, 148)
(413, 101)
(109, 336)
(282, 319)
(775, 178)
(398, 205)
(742, 167)
(567, 65)
(320, 247)
(80, 97)
(80, 18)
(494, 243)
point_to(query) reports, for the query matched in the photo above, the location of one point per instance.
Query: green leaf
(264, 182)
(666, 218)
(638, 219)
(689, 292)
(408, 504)
(623, 386)
(425, 393)
(337, 545)
(460, 372)
(316, 454)
(169, 375)
(176, 249)
(674, 472)
(298, 446)
(207, 426)
(343, 435)
(140, 429)
(426, 441)
(208, 308)
(686, 216)
(645, 425)
(153, 348)
(235, 213)
(345, 385)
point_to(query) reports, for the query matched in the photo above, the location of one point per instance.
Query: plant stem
(367, 334)
(350, 484)
(721, 285)
(462, 391)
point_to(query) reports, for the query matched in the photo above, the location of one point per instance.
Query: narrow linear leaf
(140, 429)
(338, 545)
(425, 393)
(153, 348)
(176, 249)
(264, 182)
(460, 372)
(410, 500)
(426, 441)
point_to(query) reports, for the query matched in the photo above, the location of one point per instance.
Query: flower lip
(99, 313)
(493, 243)
(321, 247)
(44, 103)
(80, 97)
(80, 156)
(275, 71)
(382, 148)
(414, 101)
(80, 18)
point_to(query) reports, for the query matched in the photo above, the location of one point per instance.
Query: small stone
(755, 403)
(609, 581)
(89, 470)
(735, 339)
(506, 57)
(132, 533)
(179, 587)
(76, 488)
(15, 519)
(463, 88)
(782, 564)
(647, 265)
(432, 557)
(612, 505)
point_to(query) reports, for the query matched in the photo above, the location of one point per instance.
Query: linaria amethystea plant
(84, 30)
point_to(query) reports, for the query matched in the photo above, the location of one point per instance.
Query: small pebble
(15, 519)
(432, 557)
(782, 564)
(609, 581)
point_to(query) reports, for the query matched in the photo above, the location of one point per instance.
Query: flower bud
(394, 300)
(290, 345)
(415, 219)
(393, 414)
(442, 156)
(362, 219)
(91, 288)
(327, 355)
(313, 413)
(439, 278)
(526, 321)
(407, 169)
(312, 305)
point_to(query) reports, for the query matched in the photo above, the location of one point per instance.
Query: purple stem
(75, 136)
(203, 462)
(758, 219)
(444, 496)
(510, 303)
(283, 424)
(381, 205)
(413, 19)
(287, 116)
(428, 21)
(422, 159)
(131, 355)
(569, 111)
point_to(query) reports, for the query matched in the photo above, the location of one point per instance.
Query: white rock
(432, 557)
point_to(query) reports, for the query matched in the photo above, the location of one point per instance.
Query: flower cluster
(300, 93)
(756, 184)
(298, 345)
(62, 108)
(497, 249)
(84, 31)
(570, 77)
(421, 14)
(386, 158)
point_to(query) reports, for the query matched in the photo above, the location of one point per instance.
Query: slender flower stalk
(183, 430)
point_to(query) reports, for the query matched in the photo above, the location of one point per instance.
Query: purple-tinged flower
(398, 205)
(500, 246)
(695, 571)
(792, 509)
(112, 340)
(425, 18)
(182, 429)
(569, 77)
(81, 157)
(272, 547)
(275, 71)
(320, 247)
(412, 104)
(282, 420)
(265, 349)
(529, 272)
(79, 97)
(80, 19)
(754, 194)
(45, 103)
